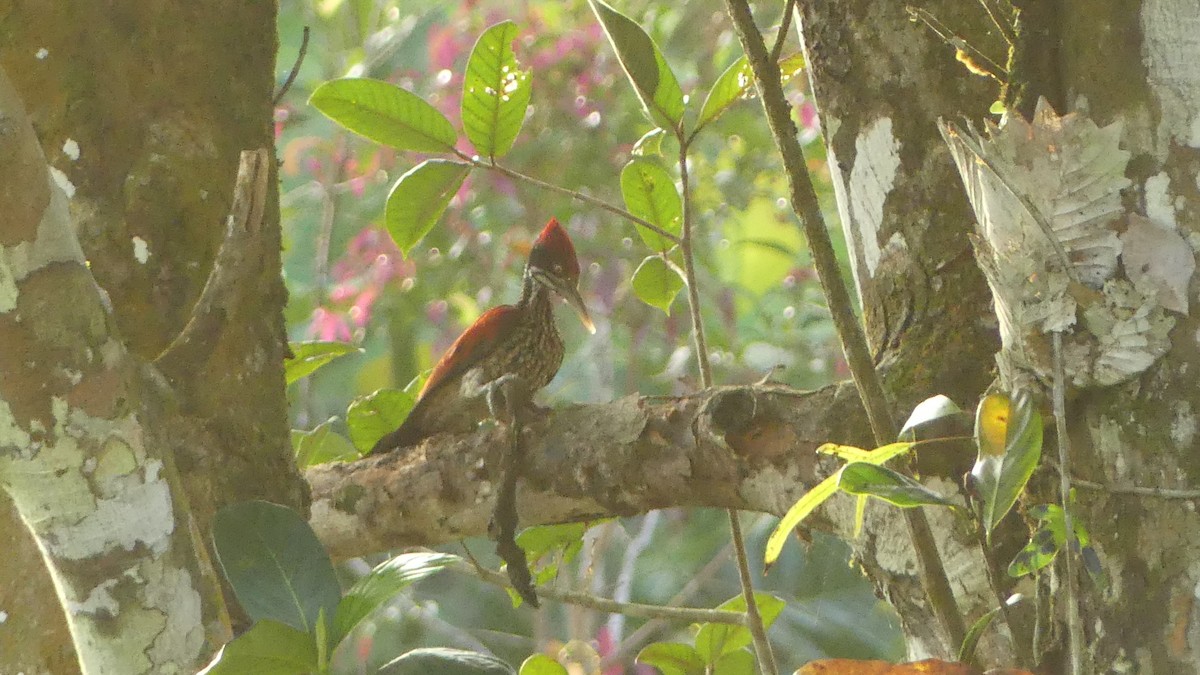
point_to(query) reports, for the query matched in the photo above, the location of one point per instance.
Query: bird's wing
(474, 344)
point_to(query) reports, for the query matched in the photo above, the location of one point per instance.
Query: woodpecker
(515, 345)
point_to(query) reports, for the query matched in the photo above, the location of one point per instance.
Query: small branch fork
(850, 332)
(243, 228)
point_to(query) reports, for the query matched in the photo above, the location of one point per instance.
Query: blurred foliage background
(762, 305)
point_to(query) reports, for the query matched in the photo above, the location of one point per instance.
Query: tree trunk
(881, 82)
(142, 110)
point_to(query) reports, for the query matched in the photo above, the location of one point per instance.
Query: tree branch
(850, 332)
(217, 301)
(749, 448)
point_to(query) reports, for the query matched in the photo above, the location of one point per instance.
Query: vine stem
(762, 646)
(573, 194)
(850, 333)
(1074, 623)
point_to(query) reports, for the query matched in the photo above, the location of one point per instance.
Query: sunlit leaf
(737, 83)
(385, 114)
(656, 282)
(966, 651)
(652, 78)
(276, 566)
(446, 661)
(649, 144)
(307, 357)
(540, 664)
(739, 662)
(862, 478)
(419, 198)
(382, 584)
(372, 416)
(714, 640)
(929, 410)
(322, 445)
(650, 194)
(1009, 437)
(823, 491)
(495, 92)
(672, 658)
(268, 648)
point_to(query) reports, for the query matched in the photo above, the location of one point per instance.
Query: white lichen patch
(876, 161)
(1047, 195)
(1158, 261)
(71, 149)
(1171, 52)
(1183, 426)
(64, 183)
(1157, 193)
(41, 54)
(172, 592)
(100, 599)
(141, 250)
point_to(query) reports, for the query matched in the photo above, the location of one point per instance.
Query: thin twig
(1003, 26)
(287, 84)
(230, 268)
(1074, 624)
(785, 24)
(1141, 491)
(648, 630)
(574, 194)
(758, 630)
(682, 614)
(850, 332)
(959, 43)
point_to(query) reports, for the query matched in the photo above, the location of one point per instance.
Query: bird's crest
(553, 247)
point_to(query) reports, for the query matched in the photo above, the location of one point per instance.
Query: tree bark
(142, 110)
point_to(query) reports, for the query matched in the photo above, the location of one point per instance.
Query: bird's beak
(576, 302)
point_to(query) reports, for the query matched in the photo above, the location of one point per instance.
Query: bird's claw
(505, 395)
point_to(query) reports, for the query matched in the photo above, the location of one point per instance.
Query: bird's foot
(507, 396)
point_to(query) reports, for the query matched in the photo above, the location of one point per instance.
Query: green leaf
(823, 491)
(446, 661)
(495, 92)
(740, 662)
(862, 478)
(715, 640)
(370, 417)
(795, 515)
(276, 566)
(652, 78)
(736, 84)
(268, 648)
(385, 114)
(1049, 538)
(539, 540)
(419, 198)
(322, 445)
(650, 194)
(929, 410)
(540, 664)
(307, 357)
(966, 651)
(649, 144)
(656, 283)
(1009, 437)
(382, 584)
(672, 658)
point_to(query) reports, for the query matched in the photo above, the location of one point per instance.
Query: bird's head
(552, 263)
